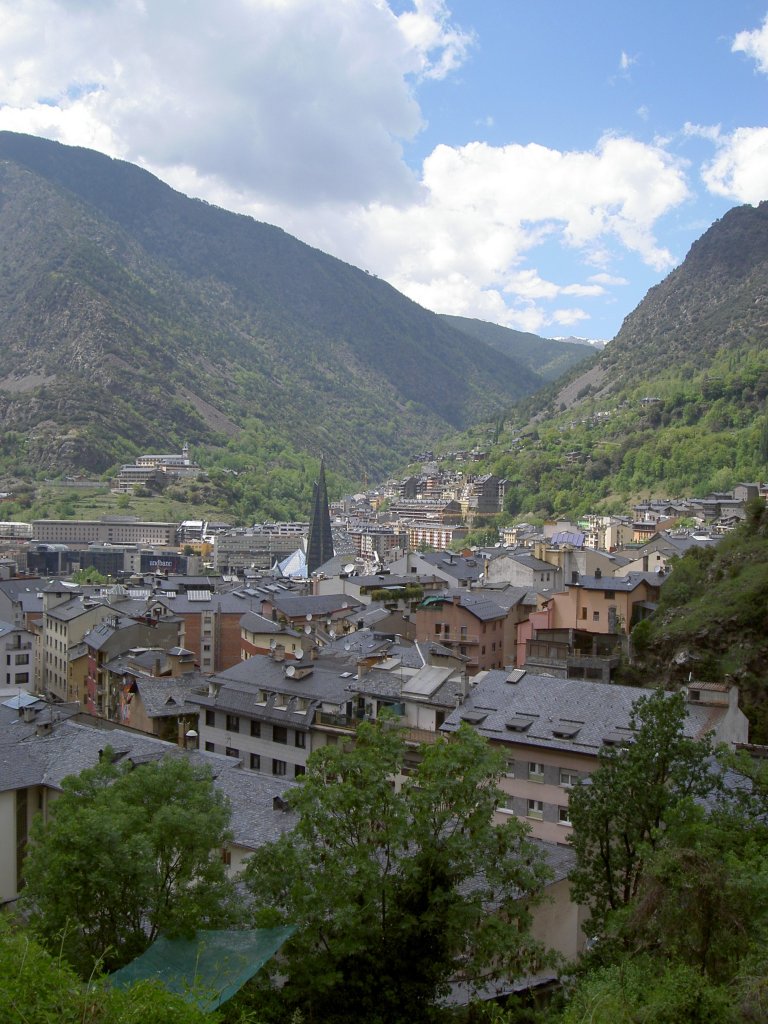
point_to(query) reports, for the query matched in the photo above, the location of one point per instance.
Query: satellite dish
(272, 644)
(349, 568)
(332, 634)
(309, 616)
(307, 629)
(291, 671)
(347, 646)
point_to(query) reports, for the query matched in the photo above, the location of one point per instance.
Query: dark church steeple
(320, 539)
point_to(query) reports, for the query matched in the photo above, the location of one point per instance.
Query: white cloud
(625, 61)
(711, 132)
(441, 46)
(754, 44)
(484, 210)
(566, 317)
(608, 280)
(296, 111)
(289, 99)
(740, 168)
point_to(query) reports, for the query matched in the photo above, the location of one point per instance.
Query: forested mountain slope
(134, 318)
(547, 357)
(674, 405)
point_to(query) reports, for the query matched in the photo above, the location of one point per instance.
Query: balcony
(459, 638)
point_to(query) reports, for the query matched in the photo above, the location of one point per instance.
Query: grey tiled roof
(594, 710)
(166, 698)
(256, 623)
(292, 605)
(28, 760)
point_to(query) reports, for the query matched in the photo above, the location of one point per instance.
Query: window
(568, 778)
(609, 595)
(209, 746)
(255, 728)
(536, 809)
(279, 734)
(232, 752)
(233, 723)
(210, 717)
(583, 613)
(255, 762)
(509, 768)
(535, 771)
(279, 767)
(563, 816)
(595, 616)
(226, 857)
(298, 770)
(301, 739)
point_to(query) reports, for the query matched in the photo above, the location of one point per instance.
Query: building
(40, 745)
(68, 614)
(551, 731)
(320, 537)
(470, 622)
(17, 657)
(107, 530)
(260, 547)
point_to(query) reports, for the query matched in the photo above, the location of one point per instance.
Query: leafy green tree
(642, 989)
(125, 853)
(703, 898)
(89, 575)
(397, 891)
(618, 812)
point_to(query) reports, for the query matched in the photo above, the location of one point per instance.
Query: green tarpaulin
(208, 969)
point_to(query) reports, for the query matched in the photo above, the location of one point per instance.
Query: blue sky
(539, 164)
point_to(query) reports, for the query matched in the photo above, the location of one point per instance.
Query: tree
(37, 987)
(125, 853)
(642, 989)
(396, 891)
(618, 812)
(89, 575)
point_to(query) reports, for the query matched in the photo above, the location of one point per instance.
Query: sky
(536, 163)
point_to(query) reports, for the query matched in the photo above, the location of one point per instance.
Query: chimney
(190, 739)
(598, 573)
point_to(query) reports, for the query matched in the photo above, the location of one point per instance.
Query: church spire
(320, 539)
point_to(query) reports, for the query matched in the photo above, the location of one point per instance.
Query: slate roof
(256, 623)
(462, 569)
(293, 605)
(166, 698)
(626, 583)
(480, 604)
(27, 759)
(238, 689)
(536, 708)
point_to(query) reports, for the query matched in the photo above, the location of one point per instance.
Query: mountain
(674, 405)
(133, 318)
(546, 357)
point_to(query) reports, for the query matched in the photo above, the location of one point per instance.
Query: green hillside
(548, 358)
(712, 620)
(133, 318)
(674, 405)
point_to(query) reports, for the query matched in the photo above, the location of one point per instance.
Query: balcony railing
(459, 638)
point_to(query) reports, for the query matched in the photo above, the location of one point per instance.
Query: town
(253, 648)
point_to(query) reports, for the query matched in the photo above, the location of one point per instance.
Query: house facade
(551, 731)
